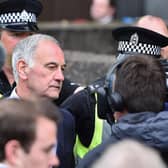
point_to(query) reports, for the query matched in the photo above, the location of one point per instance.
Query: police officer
(18, 19)
(156, 24)
(90, 104)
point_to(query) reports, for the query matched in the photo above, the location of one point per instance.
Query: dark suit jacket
(66, 140)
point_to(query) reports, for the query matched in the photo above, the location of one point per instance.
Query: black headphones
(115, 100)
(109, 101)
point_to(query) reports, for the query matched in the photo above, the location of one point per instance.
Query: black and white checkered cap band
(17, 17)
(141, 48)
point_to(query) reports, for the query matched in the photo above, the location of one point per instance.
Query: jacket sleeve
(66, 140)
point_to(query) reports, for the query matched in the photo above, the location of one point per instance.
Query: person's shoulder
(95, 154)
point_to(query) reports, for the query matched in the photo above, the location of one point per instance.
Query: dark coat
(146, 127)
(5, 88)
(82, 106)
(66, 140)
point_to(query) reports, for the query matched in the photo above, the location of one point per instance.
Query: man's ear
(12, 152)
(22, 68)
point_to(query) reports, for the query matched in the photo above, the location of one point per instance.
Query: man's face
(45, 77)
(42, 152)
(100, 9)
(10, 39)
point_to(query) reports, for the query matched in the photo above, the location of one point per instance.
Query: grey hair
(26, 48)
(129, 154)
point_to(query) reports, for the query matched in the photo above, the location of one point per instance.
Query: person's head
(129, 154)
(28, 133)
(18, 19)
(155, 24)
(140, 82)
(38, 64)
(102, 9)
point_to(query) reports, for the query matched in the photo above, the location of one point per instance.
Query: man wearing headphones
(90, 105)
(135, 88)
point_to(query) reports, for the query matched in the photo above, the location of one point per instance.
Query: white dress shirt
(13, 95)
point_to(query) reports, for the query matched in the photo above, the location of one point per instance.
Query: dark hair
(18, 120)
(112, 2)
(142, 83)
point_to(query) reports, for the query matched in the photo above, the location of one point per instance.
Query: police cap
(19, 15)
(133, 39)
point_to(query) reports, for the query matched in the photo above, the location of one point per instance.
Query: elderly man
(38, 64)
(18, 19)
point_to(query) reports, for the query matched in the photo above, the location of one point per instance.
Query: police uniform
(83, 105)
(17, 16)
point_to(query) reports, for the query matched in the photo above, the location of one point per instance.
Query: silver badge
(24, 16)
(134, 39)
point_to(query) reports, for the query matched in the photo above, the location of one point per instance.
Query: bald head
(155, 24)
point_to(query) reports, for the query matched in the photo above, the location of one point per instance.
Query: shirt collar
(2, 165)
(14, 95)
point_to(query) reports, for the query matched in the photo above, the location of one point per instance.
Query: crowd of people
(48, 121)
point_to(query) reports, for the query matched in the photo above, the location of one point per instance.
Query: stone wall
(89, 37)
(85, 67)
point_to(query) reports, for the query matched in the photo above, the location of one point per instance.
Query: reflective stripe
(1, 96)
(81, 150)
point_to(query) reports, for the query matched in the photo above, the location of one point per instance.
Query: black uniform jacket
(66, 140)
